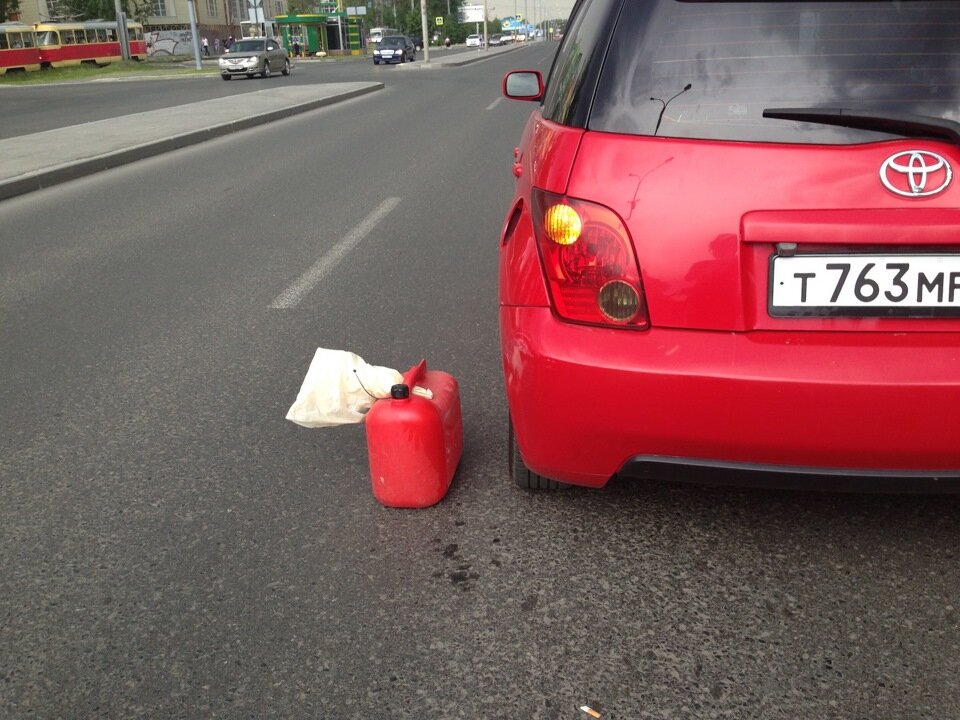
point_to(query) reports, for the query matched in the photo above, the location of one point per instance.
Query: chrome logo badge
(915, 173)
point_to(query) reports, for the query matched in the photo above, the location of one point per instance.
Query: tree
(301, 7)
(138, 10)
(9, 9)
(88, 9)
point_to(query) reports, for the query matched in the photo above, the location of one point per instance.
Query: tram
(98, 41)
(18, 48)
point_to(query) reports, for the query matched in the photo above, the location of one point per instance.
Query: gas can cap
(400, 391)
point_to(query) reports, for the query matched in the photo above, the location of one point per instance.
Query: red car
(733, 253)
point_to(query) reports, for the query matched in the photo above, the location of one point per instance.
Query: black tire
(522, 476)
(376, 62)
(266, 69)
(286, 67)
(225, 77)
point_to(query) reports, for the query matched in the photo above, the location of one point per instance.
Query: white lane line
(496, 102)
(292, 296)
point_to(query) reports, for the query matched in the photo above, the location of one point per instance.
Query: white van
(379, 33)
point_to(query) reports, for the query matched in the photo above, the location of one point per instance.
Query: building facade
(216, 19)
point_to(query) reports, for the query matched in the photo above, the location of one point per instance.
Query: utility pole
(122, 31)
(486, 44)
(192, 12)
(424, 31)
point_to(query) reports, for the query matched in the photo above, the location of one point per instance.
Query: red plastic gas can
(415, 442)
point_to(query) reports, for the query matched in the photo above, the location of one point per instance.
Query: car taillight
(589, 262)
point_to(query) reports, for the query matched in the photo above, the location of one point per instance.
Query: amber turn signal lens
(618, 301)
(562, 224)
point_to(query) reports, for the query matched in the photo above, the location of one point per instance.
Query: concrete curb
(29, 148)
(458, 59)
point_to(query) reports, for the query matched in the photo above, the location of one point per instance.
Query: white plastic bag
(339, 389)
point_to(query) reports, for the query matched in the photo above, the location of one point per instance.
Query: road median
(44, 159)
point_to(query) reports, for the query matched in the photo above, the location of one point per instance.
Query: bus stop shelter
(331, 33)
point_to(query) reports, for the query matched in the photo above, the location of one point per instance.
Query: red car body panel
(592, 398)
(716, 378)
(699, 270)
(545, 157)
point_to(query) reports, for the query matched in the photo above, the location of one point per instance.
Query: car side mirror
(523, 85)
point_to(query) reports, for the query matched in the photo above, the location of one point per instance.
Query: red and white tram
(66, 44)
(18, 48)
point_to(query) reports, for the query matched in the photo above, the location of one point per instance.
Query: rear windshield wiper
(895, 123)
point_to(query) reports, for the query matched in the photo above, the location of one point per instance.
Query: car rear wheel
(523, 476)
(266, 69)
(286, 67)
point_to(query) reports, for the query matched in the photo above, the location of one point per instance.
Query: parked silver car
(254, 56)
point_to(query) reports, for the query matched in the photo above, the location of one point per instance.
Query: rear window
(709, 69)
(248, 46)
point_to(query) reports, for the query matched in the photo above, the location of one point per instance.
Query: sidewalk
(31, 162)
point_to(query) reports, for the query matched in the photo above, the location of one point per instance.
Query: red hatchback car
(734, 249)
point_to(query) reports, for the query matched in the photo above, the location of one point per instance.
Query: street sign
(438, 21)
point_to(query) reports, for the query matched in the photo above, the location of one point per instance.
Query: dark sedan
(395, 49)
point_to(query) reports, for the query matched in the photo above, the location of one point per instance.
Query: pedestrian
(206, 46)
(446, 42)
(216, 45)
(296, 48)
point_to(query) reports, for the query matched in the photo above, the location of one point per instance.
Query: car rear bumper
(705, 472)
(588, 403)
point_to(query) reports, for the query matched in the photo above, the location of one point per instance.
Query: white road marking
(292, 296)
(496, 102)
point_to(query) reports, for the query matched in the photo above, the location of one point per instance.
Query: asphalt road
(34, 108)
(170, 546)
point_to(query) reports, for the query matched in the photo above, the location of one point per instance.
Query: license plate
(865, 285)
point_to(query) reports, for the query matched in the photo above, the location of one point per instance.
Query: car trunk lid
(714, 224)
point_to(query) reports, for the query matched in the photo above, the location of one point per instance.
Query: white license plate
(865, 285)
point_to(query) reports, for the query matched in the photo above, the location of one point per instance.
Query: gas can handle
(415, 374)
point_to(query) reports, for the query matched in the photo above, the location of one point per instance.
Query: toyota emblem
(915, 173)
